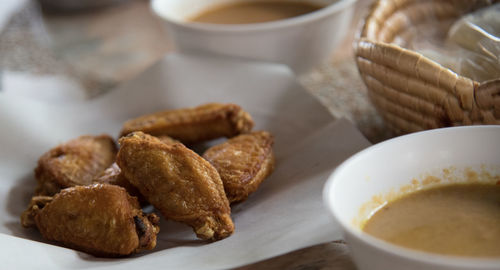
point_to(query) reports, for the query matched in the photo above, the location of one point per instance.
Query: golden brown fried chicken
(243, 162)
(100, 219)
(178, 182)
(114, 176)
(76, 162)
(193, 125)
(167, 139)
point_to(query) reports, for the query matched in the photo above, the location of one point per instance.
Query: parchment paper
(285, 214)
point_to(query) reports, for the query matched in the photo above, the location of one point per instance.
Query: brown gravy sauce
(455, 219)
(254, 12)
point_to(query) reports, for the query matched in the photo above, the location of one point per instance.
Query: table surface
(99, 49)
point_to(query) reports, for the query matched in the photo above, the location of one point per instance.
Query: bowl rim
(375, 243)
(251, 27)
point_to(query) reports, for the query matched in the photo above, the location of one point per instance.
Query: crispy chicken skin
(99, 219)
(178, 182)
(167, 139)
(193, 125)
(76, 162)
(114, 176)
(243, 162)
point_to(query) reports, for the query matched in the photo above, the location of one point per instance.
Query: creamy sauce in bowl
(254, 12)
(457, 219)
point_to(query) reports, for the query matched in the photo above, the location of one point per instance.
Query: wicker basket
(412, 92)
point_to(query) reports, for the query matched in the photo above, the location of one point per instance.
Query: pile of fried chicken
(90, 193)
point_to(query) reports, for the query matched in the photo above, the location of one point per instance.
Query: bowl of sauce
(456, 219)
(255, 12)
(299, 34)
(428, 200)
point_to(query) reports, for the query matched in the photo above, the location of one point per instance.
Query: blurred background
(74, 50)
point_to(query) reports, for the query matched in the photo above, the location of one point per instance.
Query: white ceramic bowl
(389, 167)
(301, 42)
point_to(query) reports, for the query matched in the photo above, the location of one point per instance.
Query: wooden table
(102, 48)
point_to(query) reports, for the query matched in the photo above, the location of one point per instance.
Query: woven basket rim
(413, 92)
(361, 37)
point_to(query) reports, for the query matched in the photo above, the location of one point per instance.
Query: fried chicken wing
(100, 219)
(167, 139)
(178, 182)
(193, 125)
(243, 162)
(76, 162)
(114, 176)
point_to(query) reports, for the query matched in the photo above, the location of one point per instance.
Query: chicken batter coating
(243, 162)
(100, 219)
(167, 139)
(178, 182)
(194, 125)
(76, 162)
(114, 176)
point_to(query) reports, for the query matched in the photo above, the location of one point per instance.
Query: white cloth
(285, 214)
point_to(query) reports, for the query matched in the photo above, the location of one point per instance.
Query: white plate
(285, 214)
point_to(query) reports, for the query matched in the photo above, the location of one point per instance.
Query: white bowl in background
(391, 166)
(301, 42)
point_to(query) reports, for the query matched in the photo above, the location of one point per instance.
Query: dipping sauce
(459, 219)
(255, 12)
